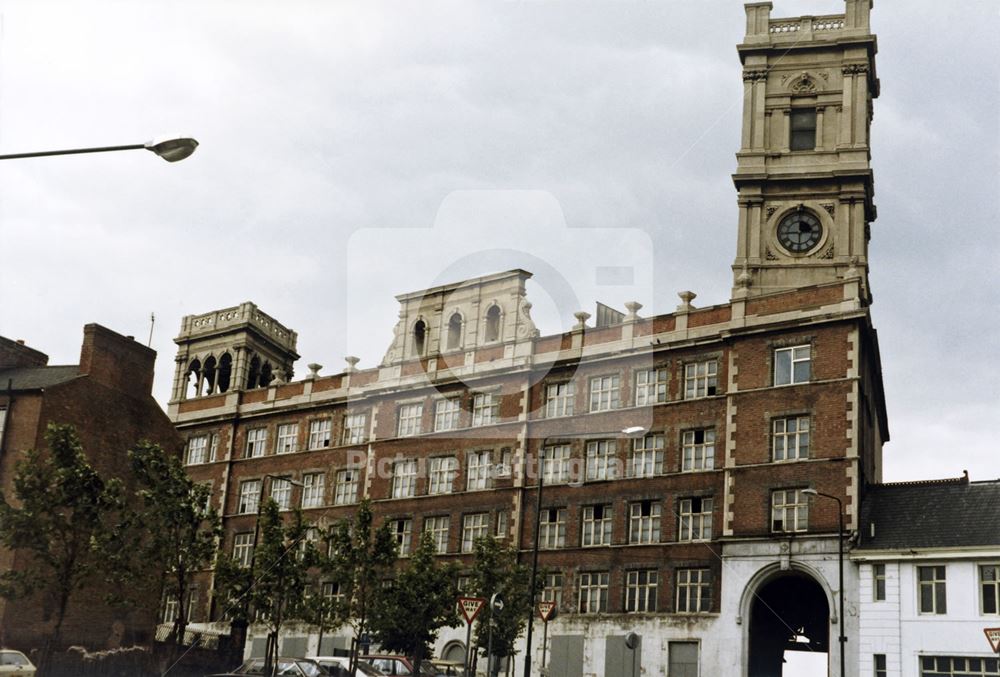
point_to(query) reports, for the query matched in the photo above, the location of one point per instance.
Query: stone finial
(279, 379)
(852, 272)
(686, 298)
(352, 363)
(313, 371)
(581, 319)
(633, 310)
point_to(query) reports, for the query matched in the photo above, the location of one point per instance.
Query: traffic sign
(545, 610)
(993, 635)
(471, 606)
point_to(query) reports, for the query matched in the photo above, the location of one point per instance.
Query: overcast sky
(354, 151)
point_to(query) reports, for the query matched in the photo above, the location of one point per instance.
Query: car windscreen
(13, 658)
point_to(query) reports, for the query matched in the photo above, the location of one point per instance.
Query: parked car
(448, 668)
(15, 663)
(287, 667)
(399, 665)
(338, 666)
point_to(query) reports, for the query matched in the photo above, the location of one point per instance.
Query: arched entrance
(789, 620)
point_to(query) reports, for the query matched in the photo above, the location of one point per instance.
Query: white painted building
(929, 567)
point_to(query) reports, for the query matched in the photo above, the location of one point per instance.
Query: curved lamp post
(840, 563)
(171, 149)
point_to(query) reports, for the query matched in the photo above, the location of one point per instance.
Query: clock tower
(804, 176)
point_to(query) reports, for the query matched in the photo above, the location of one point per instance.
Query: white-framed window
(331, 590)
(605, 392)
(213, 448)
(447, 413)
(171, 607)
(932, 590)
(463, 584)
(309, 540)
(346, 487)
(402, 531)
(698, 450)
(476, 525)
(319, 433)
(553, 588)
(207, 505)
(989, 585)
(602, 460)
(243, 548)
(790, 438)
(256, 442)
(197, 451)
(646, 456)
(478, 470)
(695, 519)
(555, 464)
(789, 511)
(650, 386)
(501, 530)
(281, 492)
(644, 522)
(597, 523)
(485, 408)
(593, 592)
(959, 666)
(694, 591)
(792, 365)
(249, 497)
(701, 379)
(355, 428)
(552, 529)
(441, 471)
(640, 590)
(559, 400)
(878, 582)
(409, 419)
(437, 527)
(288, 438)
(404, 479)
(313, 489)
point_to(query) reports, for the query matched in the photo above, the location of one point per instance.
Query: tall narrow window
(485, 408)
(355, 428)
(555, 464)
(604, 393)
(878, 582)
(552, 592)
(404, 479)
(789, 511)
(441, 471)
(225, 372)
(346, 491)
(933, 594)
(602, 460)
(695, 519)
(249, 497)
(288, 438)
(402, 531)
(552, 528)
(559, 400)
(790, 438)
(256, 440)
(419, 337)
(446, 414)
(438, 527)
(699, 450)
(650, 386)
(493, 324)
(989, 579)
(197, 447)
(474, 527)
(478, 473)
(644, 522)
(880, 666)
(640, 590)
(243, 548)
(319, 433)
(594, 592)
(281, 492)
(455, 332)
(313, 489)
(409, 419)
(803, 129)
(701, 379)
(597, 523)
(694, 591)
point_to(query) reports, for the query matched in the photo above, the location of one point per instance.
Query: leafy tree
(320, 611)
(281, 561)
(65, 518)
(495, 569)
(179, 529)
(416, 604)
(361, 556)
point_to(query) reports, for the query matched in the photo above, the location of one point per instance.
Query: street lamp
(171, 149)
(628, 432)
(840, 566)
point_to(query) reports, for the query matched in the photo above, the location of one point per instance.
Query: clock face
(800, 232)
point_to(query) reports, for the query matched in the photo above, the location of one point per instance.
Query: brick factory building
(107, 397)
(678, 445)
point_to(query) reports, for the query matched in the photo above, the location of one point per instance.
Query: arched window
(419, 337)
(455, 332)
(253, 373)
(209, 374)
(225, 371)
(493, 323)
(193, 385)
(265, 375)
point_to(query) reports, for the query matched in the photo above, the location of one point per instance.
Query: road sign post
(993, 635)
(545, 611)
(470, 606)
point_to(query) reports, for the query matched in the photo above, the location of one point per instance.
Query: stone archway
(789, 611)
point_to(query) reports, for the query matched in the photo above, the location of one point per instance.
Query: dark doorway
(789, 613)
